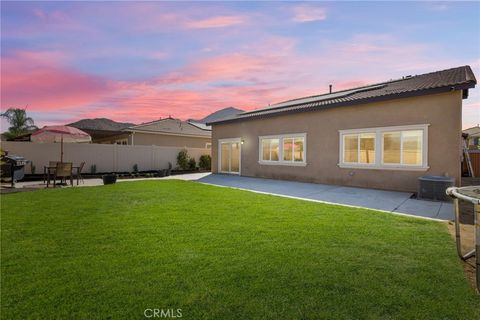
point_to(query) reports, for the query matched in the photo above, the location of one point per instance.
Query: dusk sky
(139, 61)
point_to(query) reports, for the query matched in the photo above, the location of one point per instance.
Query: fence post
(115, 158)
(152, 157)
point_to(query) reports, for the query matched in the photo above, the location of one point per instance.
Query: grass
(218, 253)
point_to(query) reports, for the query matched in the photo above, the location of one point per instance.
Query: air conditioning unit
(433, 187)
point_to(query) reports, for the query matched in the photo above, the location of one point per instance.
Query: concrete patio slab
(390, 201)
(36, 185)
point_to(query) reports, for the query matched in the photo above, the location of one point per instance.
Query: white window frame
(378, 164)
(280, 161)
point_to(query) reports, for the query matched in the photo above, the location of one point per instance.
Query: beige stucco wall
(441, 111)
(149, 139)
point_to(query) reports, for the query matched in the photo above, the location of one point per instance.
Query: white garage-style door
(229, 155)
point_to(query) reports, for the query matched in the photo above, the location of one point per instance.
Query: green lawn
(218, 253)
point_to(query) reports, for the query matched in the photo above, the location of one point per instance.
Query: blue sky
(139, 61)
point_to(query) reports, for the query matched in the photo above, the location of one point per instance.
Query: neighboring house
(164, 132)
(473, 139)
(169, 132)
(379, 136)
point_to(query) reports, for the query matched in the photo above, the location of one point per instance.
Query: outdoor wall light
(242, 141)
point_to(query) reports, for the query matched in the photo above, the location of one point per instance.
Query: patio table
(48, 170)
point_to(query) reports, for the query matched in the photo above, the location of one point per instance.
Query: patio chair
(48, 170)
(63, 171)
(79, 172)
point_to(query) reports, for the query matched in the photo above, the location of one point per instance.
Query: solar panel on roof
(328, 96)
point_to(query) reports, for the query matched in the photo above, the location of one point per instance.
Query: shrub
(205, 162)
(135, 168)
(192, 164)
(182, 159)
(93, 168)
(32, 168)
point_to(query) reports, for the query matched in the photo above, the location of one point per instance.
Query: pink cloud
(37, 79)
(215, 22)
(265, 72)
(309, 13)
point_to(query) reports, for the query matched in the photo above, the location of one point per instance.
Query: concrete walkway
(390, 201)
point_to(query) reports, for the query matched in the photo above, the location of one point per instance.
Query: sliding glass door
(229, 156)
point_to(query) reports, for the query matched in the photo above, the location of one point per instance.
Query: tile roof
(171, 126)
(473, 131)
(435, 82)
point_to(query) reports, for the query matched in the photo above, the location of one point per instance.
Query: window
(293, 149)
(270, 149)
(385, 148)
(282, 149)
(403, 147)
(359, 148)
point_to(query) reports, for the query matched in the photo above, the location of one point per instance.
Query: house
(168, 132)
(378, 136)
(473, 137)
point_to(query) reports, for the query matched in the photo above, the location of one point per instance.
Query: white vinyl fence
(106, 157)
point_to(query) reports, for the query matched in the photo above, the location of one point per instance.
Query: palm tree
(20, 123)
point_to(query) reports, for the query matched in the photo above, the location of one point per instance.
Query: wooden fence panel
(475, 159)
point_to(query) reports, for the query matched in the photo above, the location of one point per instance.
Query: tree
(19, 122)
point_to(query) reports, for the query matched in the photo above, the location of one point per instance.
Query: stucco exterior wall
(443, 113)
(149, 139)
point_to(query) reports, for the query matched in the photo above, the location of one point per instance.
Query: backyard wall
(106, 157)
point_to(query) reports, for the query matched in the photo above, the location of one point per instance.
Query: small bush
(182, 159)
(205, 162)
(32, 168)
(192, 164)
(93, 169)
(135, 168)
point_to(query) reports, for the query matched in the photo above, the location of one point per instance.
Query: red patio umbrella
(52, 134)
